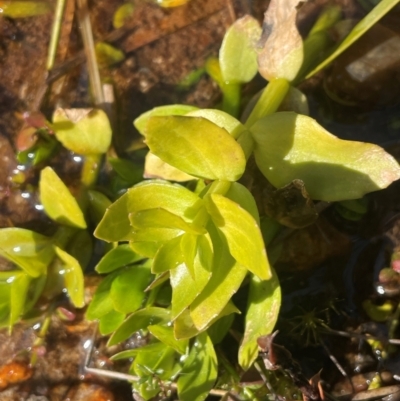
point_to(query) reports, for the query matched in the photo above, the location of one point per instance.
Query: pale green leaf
(115, 225)
(168, 256)
(108, 55)
(227, 276)
(161, 218)
(84, 131)
(57, 200)
(224, 120)
(166, 335)
(19, 291)
(73, 278)
(196, 146)
(291, 146)
(23, 9)
(30, 251)
(238, 55)
(189, 251)
(169, 110)
(242, 234)
(123, 13)
(382, 8)
(262, 313)
(139, 320)
(243, 197)
(185, 286)
(154, 167)
(199, 372)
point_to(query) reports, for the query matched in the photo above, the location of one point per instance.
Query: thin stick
(88, 42)
(55, 34)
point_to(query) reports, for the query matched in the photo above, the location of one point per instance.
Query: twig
(88, 43)
(55, 34)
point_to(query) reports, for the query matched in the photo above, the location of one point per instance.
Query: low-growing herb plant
(179, 255)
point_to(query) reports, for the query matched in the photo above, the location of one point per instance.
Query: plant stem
(219, 187)
(90, 170)
(269, 101)
(231, 98)
(55, 34)
(63, 235)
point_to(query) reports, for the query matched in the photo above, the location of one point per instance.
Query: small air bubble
(17, 249)
(77, 159)
(39, 207)
(26, 195)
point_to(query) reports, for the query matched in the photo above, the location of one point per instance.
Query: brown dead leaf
(282, 46)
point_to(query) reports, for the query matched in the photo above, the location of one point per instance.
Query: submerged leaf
(196, 146)
(57, 200)
(262, 313)
(199, 372)
(282, 46)
(237, 55)
(19, 291)
(108, 55)
(84, 131)
(290, 146)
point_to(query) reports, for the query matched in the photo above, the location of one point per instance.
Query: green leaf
(118, 257)
(30, 251)
(170, 110)
(115, 225)
(199, 372)
(196, 146)
(184, 326)
(224, 282)
(110, 322)
(291, 146)
(161, 218)
(73, 278)
(130, 353)
(224, 120)
(23, 9)
(262, 313)
(127, 290)
(98, 204)
(185, 286)
(237, 55)
(19, 290)
(81, 248)
(130, 172)
(243, 197)
(168, 256)
(123, 13)
(382, 8)
(139, 320)
(108, 55)
(166, 335)
(101, 303)
(84, 131)
(147, 242)
(189, 250)
(242, 234)
(57, 200)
